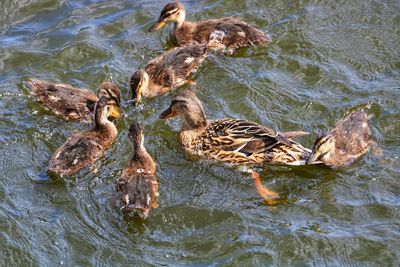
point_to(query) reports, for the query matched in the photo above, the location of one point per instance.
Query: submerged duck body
(84, 148)
(71, 103)
(232, 141)
(348, 141)
(167, 71)
(226, 33)
(138, 184)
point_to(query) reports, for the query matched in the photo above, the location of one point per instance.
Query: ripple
(326, 58)
(78, 56)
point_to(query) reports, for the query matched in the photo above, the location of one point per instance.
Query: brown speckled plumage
(229, 33)
(138, 184)
(175, 66)
(72, 103)
(233, 141)
(349, 140)
(84, 148)
(167, 71)
(226, 33)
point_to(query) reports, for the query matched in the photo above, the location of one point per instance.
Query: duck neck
(195, 119)
(180, 20)
(143, 158)
(190, 126)
(103, 124)
(138, 147)
(190, 139)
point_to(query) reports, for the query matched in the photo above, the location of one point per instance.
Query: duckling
(348, 141)
(138, 184)
(167, 72)
(75, 104)
(84, 148)
(237, 142)
(226, 33)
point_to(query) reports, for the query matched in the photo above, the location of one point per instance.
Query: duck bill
(169, 113)
(158, 25)
(115, 112)
(313, 159)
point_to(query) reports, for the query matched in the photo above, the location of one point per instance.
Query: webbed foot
(269, 196)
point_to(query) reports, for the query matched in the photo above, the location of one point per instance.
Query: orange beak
(115, 111)
(169, 113)
(156, 26)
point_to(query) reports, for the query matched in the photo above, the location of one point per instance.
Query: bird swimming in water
(237, 142)
(84, 148)
(348, 141)
(138, 185)
(226, 33)
(167, 72)
(75, 104)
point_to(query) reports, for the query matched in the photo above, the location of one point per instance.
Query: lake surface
(327, 58)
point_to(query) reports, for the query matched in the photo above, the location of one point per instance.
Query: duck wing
(240, 141)
(79, 151)
(176, 65)
(63, 99)
(139, 192)
(232, 32)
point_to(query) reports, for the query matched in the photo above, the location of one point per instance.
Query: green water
(327, 57)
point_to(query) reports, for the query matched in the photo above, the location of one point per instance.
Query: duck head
(139, 84)
(188, 107)
(113, 94)
(172, 12)
(323, 148)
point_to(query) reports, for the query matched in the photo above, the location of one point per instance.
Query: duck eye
(321, 155)
(172, 11)
(169, 13)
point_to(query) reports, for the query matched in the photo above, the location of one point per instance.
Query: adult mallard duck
(84, 148)
(349, 140)
(234, 141)
(167, 71)
(225, 33)
(72, 103)
(138, 184)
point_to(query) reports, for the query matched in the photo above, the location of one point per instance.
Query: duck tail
(37, 86)
(138, 194)
(258, 37)
(267, 38)
(255, 36)
(294, 134)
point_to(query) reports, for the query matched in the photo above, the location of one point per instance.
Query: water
(327, 57)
